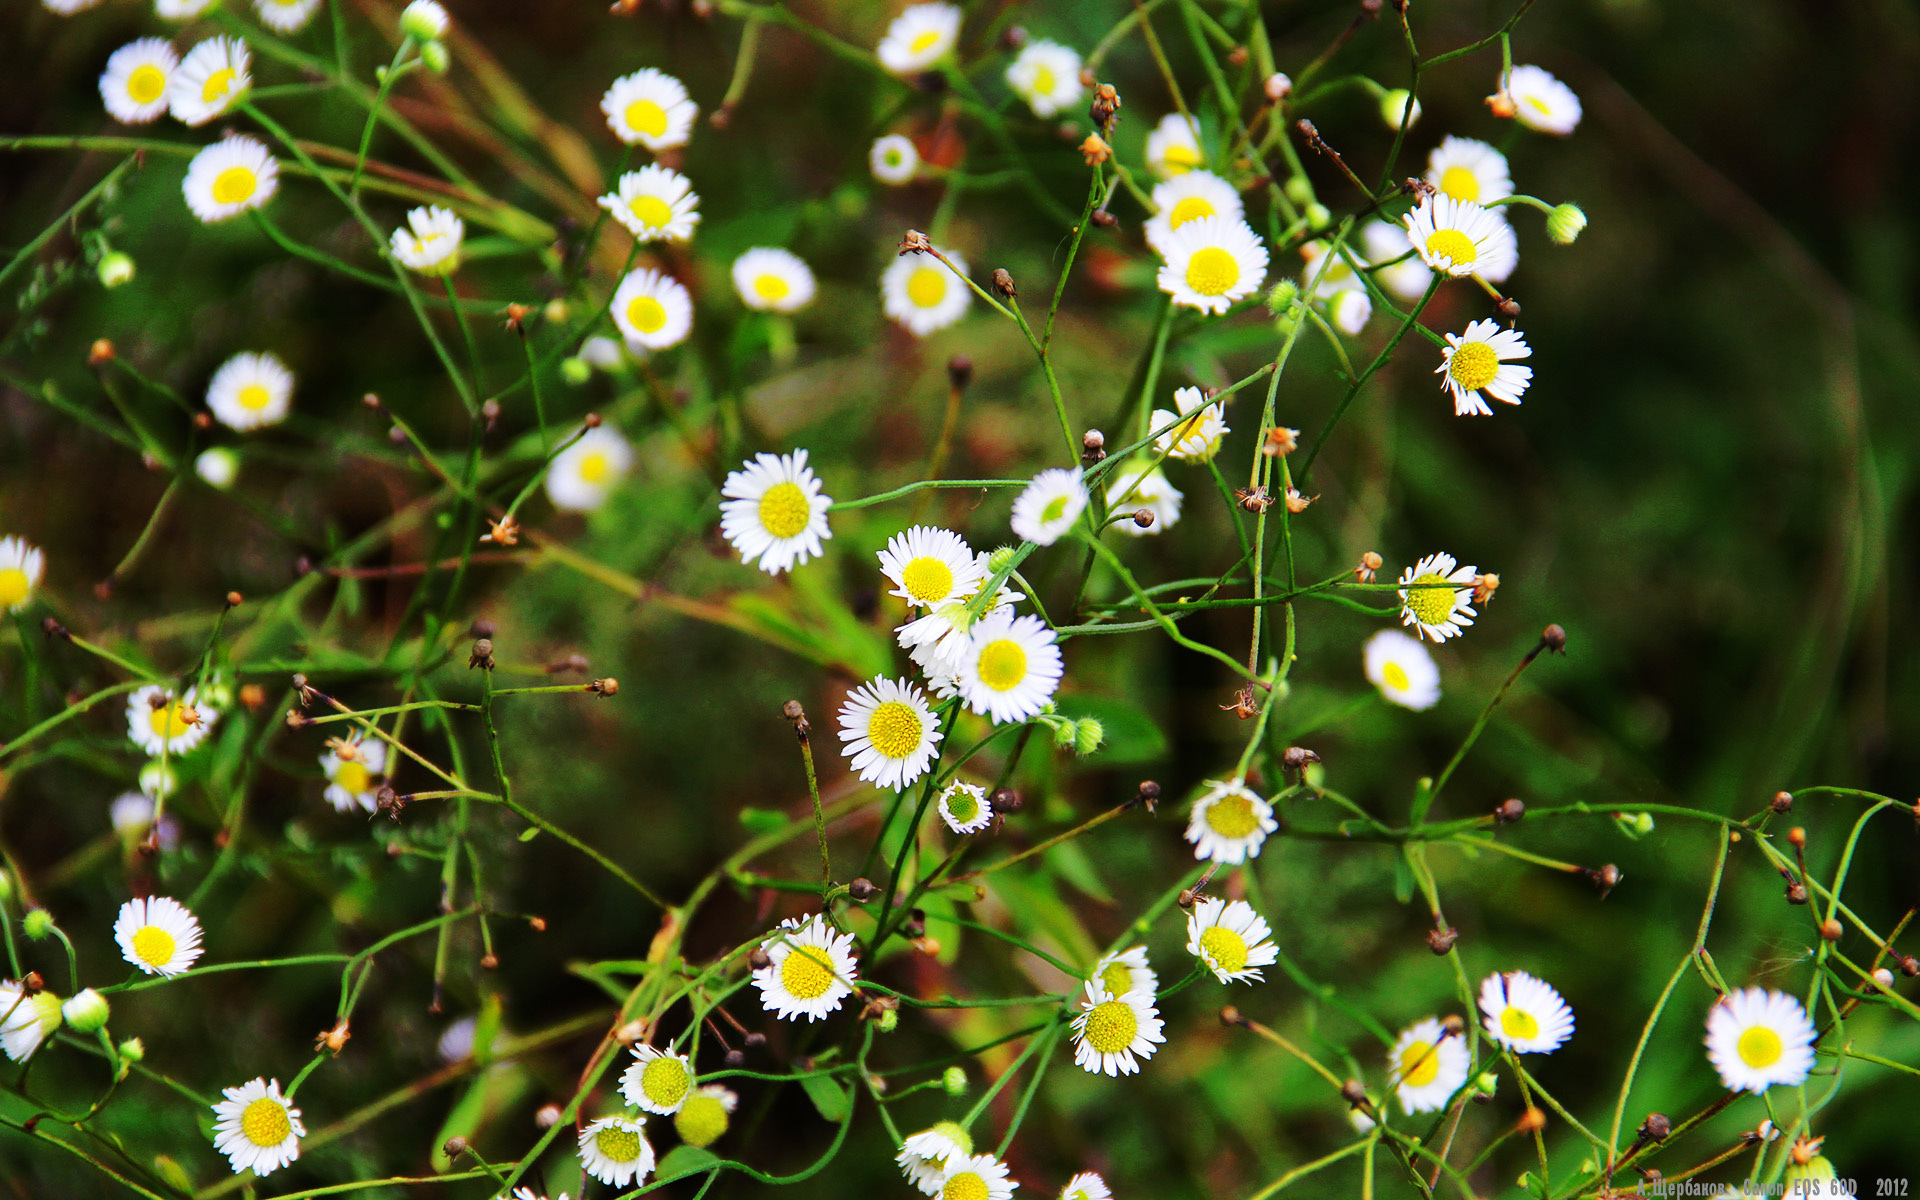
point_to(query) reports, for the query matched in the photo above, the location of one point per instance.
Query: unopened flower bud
(1318, 216)
(1531, 1121)
(436, 57)
(1831, 929)
(1564, 223)
(1554, 638)
(1883, 979)
(1281, 296)
(1278, 87)
(115, 269)
(1063, 734)
(575, 371)
(1000, 560)
(87, 1011)
(959, 372)
(1087, 736)
(955, 1081)
(1093, 446)
(1782, 802)
(758, 959)
(455, 1146)
(424, 21)
(888, 1020)
(1003, 282)
(1297, 757)
(1399, 107)
(548, 1116)
(1143, 517)
(1656, 1127)
(1508, 811)
(38, 923)
(862, 889)
(132, 1050)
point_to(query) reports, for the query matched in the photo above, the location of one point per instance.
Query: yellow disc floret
(1232, 817)
(265, 1123)
(1430, 605)
(895, 729)
(807, 972)
(1473, 365)
(784, 511)
(1111, 1026)
(1225, 949)
(1212, 271)
(1003, 664)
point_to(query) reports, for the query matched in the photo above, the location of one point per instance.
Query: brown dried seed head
(1280, 442)
(914, 242)
(1353, 1092)
(1796, 893)
(1095, 150)
(1484, 586)
(1143, 517)
(1831, 929)
(591, 420)
(1003, 282)
(1297, 757)
(1797, 837)
(1297, 503)
(1656, 1127)
(862, 889)
(1782, 802)
(1509, 811)
(959, 372)
(1554, 638)
(1500, 104)
(1531, 1121)
(1006, 800)
(454, 1147)
(537, 924)
(1105, 219)
(758, 960)
(792, 711)
(1441, 940)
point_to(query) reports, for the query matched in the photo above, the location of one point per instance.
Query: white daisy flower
(1437, 612)
(773, 511)
(920, 36)
(938, 641)
(773, 280)
(1402, 669)
(1479, 361)
(615, 1151)
(976, 1177)
(229, 177)
(257, 1128)
(250, 391)
(1757, 1038)
(1212, 262)
(181, 10)
(1427, 1065)
(67, 8)
(602, 352)
(424, 21)
(657, 1080)
(286, 16)
(1048, 507)
(1047, 76)
(1137, 487)
(1197, 437)
(923, 1156)
(653, 311)
(1541, 102)
(134, 85)
(1231, 939)
(649, 108)
(21, 567)
(158, 723)
(1125, 974)
(919, 291)
(1011, 668)
(1173, 148)
(353, 781)
(1459, 237)
(1469, 170)
(430, 241)
(888, 732)
(656, 204)
(1086, 1186)
(705, 1115)
(1407, 278)
(1111, 1032)
(584, 474)
(929, 566)
(810, 969)
(158, 935)
(26, 1021)
(965, 807)
(1349, 309)
(217, 467)
(209, 81)
(893, 159)
(1230, 822)
(1187, 198)
(1524, 1013)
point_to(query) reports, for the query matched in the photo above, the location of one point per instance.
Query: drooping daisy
(584, 474)
(353, 778)
(893, 159)
(615, 1151)
(1212, 262)
(773, 511)
(1136, 487)
(1469, 170)
(1230, 822)
(1231, 939)
(66, 8)
(965, 807)
(656, 204)
(160, 723)
(1125, 974)
(649, 108)
(286, 16)
(257, 1128)
(250, 391)
(919, 37)
(424, 20)
(1427, 1065)
(1011, 668)
(653, 310)
(1405, 275)
(1758, 1037)
(229, 177)
(919, 291)
(810, 969)
(888, 732)
(1541, 102)
(430, 241)
(705, 1115)
(1048, 507)
(134, 85)
(1047, 76)
(976, 1177)
(158, 935)
(209, 81)
(924, 1156)
(1524, 1013)
(1112, 1032)
(1437, 612)
(181, 10)
(1479, 360)
(1086, 1186)
(20, 569)
(1173, 148)
(217, 467)
(657, 1080)
(1402, 669)
(773, 280)
(1184, 199)
(26, 1021)
(1459, 237)
(929, 566)
(1197, 436)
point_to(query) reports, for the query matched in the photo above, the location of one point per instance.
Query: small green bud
(703, 1118)
(6, 887)
(1564, 223)
(556, 311)
(158, 780)
(888, 1020)
(424, 21)
(1298, 190)
(1000, 560)
(955, 1081)
(132, 1050)
(1064, 733)
(1318, 216)
(1281, 296)
(1642, 823)
(435, 55)
(218, 467)
(1088, 735)
(115, 269)
(1393, 108)
(575, 371)
(87, 1012)
(1486, 1083)
(38, 924)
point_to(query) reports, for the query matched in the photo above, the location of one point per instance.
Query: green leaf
(761, 821)
(1402, 880)
(1070, 861)
(833, 1101)
(1131, 735)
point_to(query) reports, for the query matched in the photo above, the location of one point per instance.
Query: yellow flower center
(235, 185)
(646, 314)
(146, 83)
(593, 468)
(1044, 82)
(924, 42)
(1460, 183)
(1430, 605)
(1116, 978)
(1232, 817)
(701, 1120)
(1759, 1047)
(1419, 1064)
(1538, 105)
(265, 1123)
(895, 729)
(926, 287)
(927, 580)
(1191, 427)
(1473, 365)
(217, 85)
(1111, 1026)
(653, 212)
(665, 1081)
(255, 397)
(1518, 1024)
(1190, 209)
(14, 586)
(353, 776)
(169, 720)
(1395, 677)
(646, 117)
(965, 1186)
(1211, 271)
(1003, 664)
(1224, 948)
(807, 972)
(153, 945)
(771, 287)
(1452, 245)
(620, 1145)
(963, 807)
(1052, 511)
(1181, 159)
(784, 510)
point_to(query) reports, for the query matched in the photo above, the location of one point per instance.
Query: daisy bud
(1564, 223)
(436, 57)
(1298, 190)
(1278, 87)
(38, 923)
(1804, 1179)
(575, 371)
(1087, 736)
(862, 889)
(1000, 560)
(1782, 801)
(959, 372)
(555, 310)
(455, 1147)
(1641, 824)
(217, 467)
(887, 1021)
(1006, 800)
(1353, 1092)
(115, 269)
(132, 1050)
(86, 1012)
(735, 1058)
(1531, 1121)
(1397, 107)
(1093, 446)
(1063, 734)
(1369, 563)
(1486, 1085)
(1441, 940)
(955, 1081)
(1281, 296)
(755, 1040)
(1319, 216)
(548, 1116)
(1509, 811)
(1831, 929)
(1554, 638)
(1883, 979)
(424, 21)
